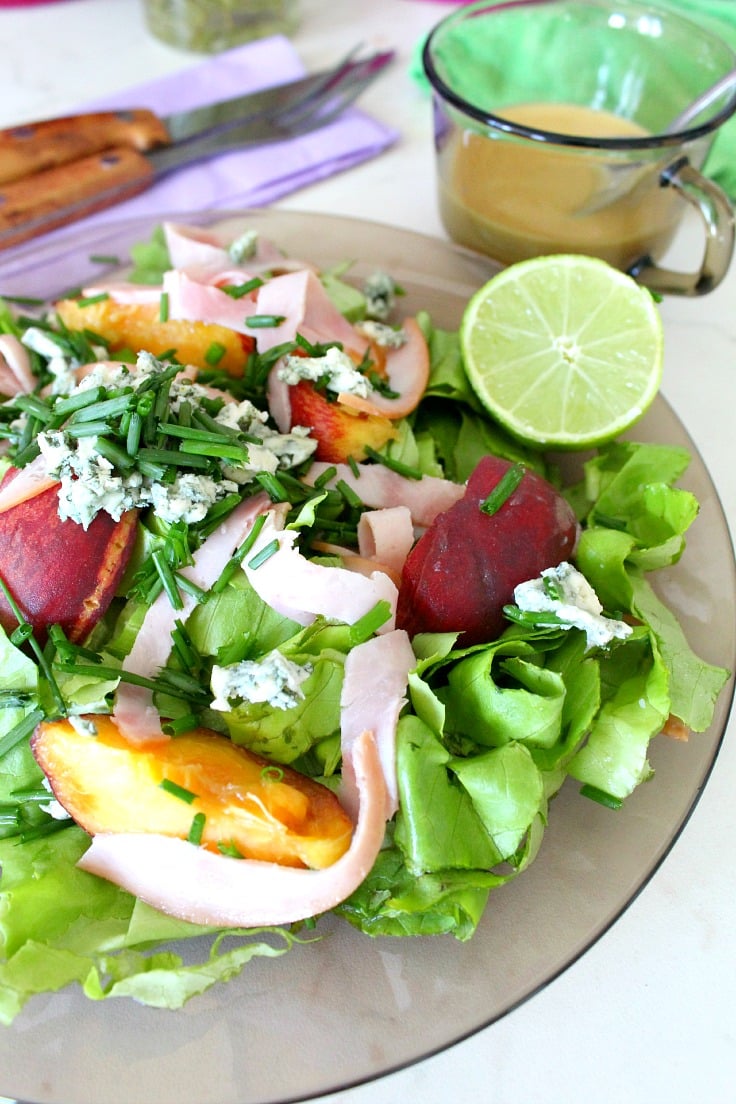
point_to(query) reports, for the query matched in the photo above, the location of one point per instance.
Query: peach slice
(341, 431)
(58, 572)
(262, 811)
(138, 326)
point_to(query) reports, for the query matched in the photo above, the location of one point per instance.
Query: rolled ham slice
(16, 377)
(197, 885)
(300, 589)
(386, 536)
(380, 487)
(373, 695)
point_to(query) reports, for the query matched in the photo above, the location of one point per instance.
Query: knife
(33, 147)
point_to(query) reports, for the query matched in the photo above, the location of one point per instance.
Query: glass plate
(350, 1009)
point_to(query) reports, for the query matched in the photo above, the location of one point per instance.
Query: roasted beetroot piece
(58, 572)
(462, 571)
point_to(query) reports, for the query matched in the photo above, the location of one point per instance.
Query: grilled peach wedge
(341, 431)
(199, 786)
(58, 572)
(138, 326)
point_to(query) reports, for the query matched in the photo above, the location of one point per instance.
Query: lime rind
(563, 351)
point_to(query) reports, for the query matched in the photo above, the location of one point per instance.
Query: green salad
(147, 458)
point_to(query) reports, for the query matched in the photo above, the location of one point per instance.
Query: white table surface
(647, 1016)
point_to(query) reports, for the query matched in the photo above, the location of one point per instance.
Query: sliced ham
(193, 300)
(300, 589)
(126, 293)
(16, 377)
(373, 695)
(134, 711)
(386, 536)
(407, 373)
(206, 252)
(20, 484)
(379, 487)
(205, 888)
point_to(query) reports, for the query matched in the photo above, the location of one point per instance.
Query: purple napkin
(251, 177)
(245, 178)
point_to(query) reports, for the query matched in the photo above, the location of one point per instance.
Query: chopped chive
(353, 463)
(272, 773)
(180, 725)
(176, 790)
(166, 576)
(117, 456)
(196, 829)
(104, 259)
(228, 849)
(21, 634)
(72, 403)
(362, 629)
(603, 798)
(394, 465)
(324, 478)
(264, 321)
(20, 732)
(89, 429)
(106, 408)
(223, 450)
(36, 649)
(215, 353)
(503, 490)
(273, 486)
(163, 307)
(169, 456)
(206, 423)
(191, 433)
(349, 494)
(238, 291)
(31, 404)
(190, 587)
(239, 555)
(265, 553)
(133, 434)
(90, 300)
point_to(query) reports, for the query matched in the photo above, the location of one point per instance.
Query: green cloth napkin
(719, 16)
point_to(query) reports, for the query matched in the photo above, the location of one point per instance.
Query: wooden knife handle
(62, 195)
(34, 147)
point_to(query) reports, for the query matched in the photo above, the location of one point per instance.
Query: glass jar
(209, 26)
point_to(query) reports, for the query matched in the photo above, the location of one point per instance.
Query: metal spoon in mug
(705, 99)
(615, 185)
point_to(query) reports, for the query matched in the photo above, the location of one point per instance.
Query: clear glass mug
(549, 121)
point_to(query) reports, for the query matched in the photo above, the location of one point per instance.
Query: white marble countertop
(647, 1014)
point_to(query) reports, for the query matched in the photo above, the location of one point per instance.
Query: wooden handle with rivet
(34, 147)
(56, 197)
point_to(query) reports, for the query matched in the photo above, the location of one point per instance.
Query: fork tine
(339, 90)
(278, 125)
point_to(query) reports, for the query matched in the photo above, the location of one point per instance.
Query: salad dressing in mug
(489, 190)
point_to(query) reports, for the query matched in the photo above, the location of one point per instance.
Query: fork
(55, 197)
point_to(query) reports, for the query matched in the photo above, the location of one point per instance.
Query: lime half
(564, 351)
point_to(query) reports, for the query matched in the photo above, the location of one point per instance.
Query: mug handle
(717, 214)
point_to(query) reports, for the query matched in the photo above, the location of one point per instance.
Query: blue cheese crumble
(335, 370)
(273, 679)
(379, 290)
(381, 334)
(566, 593)
(90, 483)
